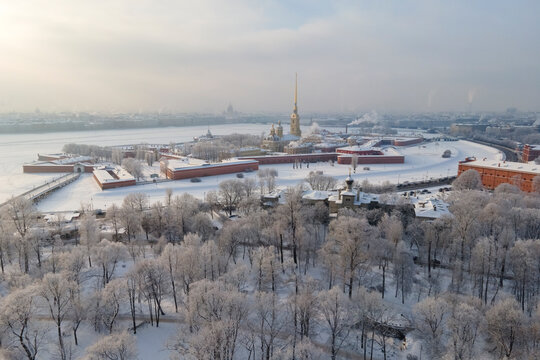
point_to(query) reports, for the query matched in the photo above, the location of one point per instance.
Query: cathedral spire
(295, 118)
(295, 91)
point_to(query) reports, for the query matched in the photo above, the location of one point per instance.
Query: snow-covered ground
(421, 162)
(17, 149)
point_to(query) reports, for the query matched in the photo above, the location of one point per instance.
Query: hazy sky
(199, 55)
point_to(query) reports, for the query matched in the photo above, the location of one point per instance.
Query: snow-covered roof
(176, 165)
(429, 207)
(365, 147)
(316, 195)
(62, 216)
(72, 160)
(105, 175)
(505, 165)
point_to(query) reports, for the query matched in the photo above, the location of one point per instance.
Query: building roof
(429, 207)
(178, 165)
(103, 175)
(505, 165)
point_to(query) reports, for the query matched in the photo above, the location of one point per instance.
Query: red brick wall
(491, 178)
(210, 171)
(289, 159)
(359, 152)
(53, 169)
(113, 185)
(47, 168)
(345, 160)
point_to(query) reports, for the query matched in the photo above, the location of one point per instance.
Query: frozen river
(17, 149)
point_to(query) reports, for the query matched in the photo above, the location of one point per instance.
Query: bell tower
(295, 118)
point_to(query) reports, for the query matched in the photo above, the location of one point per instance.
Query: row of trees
(281, 282)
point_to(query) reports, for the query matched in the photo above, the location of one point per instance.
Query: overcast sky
(199, 55)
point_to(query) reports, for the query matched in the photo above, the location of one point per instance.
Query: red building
(530, 152)
(109, 178)
(53, 167)
(372, 159)
(177, 170)
(493, 173)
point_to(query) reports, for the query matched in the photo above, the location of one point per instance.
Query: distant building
(355, 198)
(110, 178)
(530, 153)
(295, 118)
(60, 163)
(276, 141)
(178, 169)
(493, 173)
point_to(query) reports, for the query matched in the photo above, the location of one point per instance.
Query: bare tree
(319, 181)
(89, 233)
(114, 216)
(133, 167)
(231, 193)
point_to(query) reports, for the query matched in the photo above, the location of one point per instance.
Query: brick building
(177, 169)
(110, 178)
(292, 158)
(530, 153)
(493, 173)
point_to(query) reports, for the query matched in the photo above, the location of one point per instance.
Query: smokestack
(346, 128)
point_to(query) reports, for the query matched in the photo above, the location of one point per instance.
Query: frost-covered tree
(335, 313)
(291, 219)
(89, 234)
(430, 317)
(215, 312)
(107, 256)
(403, 270)
(20, 214)
(114, 216)
(57, 290)
(468, 180)
(321, 182)
(505, 329)
(350, 236)
(231, 192)
(119, 346)
(25, 337)
(154, 284)
(137, 201)
(464, 325)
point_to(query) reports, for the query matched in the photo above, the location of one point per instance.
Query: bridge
(40, 192)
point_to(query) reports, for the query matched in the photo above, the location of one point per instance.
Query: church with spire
(276, 141)
(295, 118)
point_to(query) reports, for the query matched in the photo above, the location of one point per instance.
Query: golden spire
(295, 90)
